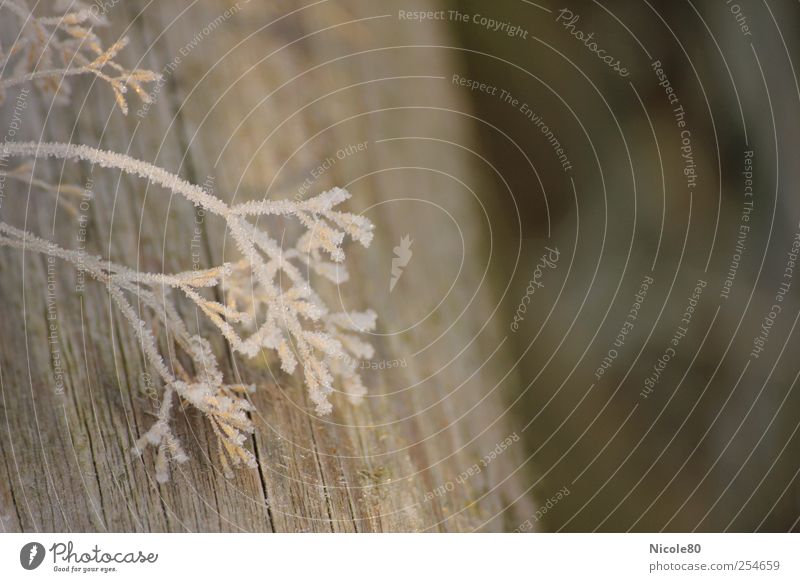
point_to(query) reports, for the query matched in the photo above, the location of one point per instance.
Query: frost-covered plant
(50, 49)
(221, 403)
(269, 303)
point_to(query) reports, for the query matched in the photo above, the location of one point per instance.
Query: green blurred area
(711, 447)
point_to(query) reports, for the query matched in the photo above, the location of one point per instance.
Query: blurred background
(713, 446)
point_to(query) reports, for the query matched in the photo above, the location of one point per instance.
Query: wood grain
(252, 107)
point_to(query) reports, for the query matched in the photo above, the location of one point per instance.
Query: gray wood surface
(65, 460)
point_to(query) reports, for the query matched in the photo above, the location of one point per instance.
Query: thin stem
(127, 164)
(13, 81)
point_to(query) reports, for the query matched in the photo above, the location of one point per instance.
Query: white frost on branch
(49, 50)
(269, 303)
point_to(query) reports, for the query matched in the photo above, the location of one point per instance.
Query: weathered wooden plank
(66, 461)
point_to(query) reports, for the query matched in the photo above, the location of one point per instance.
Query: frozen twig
(269, 303)
(49, 50)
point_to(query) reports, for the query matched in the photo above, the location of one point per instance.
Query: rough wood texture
(65, 460)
